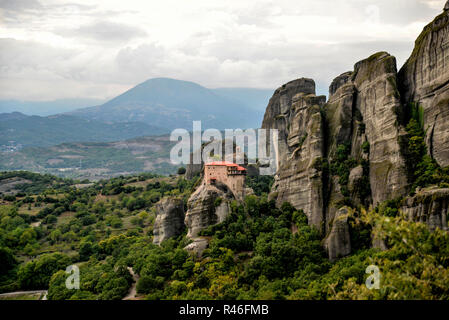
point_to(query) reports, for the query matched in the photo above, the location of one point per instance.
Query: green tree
(36, 274)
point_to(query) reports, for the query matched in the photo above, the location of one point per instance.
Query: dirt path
(43, 294)
(132, 295)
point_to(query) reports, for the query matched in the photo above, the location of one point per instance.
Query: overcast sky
(51, 49)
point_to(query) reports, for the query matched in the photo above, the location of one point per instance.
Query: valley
(95, 161)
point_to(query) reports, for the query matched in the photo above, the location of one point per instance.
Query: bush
(147, 284)
(36, 274)
(8, 261)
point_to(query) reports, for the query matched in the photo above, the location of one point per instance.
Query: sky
(57, 49)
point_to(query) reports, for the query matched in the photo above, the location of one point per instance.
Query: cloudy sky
(52, 49)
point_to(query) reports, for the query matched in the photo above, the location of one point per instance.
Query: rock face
(430, 206)
(169, 219)
(295, 111)
(338, 242)
(363, 111)
(197, 246)
(362, 114)
(208, 205)
(424, 83)
(378, 101)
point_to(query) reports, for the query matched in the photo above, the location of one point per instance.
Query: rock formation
(424, 84)
(378, 101)
(430, 206)
(338, 242)
(207, 206)
(350, 149)
(294, 110)
(169, 219)
(197, 246)
(363, 109)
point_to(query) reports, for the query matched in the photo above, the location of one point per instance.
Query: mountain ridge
(46, 108)
(172, 104)
(55, 129)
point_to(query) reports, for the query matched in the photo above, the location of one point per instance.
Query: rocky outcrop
(295, 111)
(352, 149)
(340, 112)
(378, 101)
(363, 114)
(338, 242)
(344, 126)
(424, 85)
(207, 206)
(430, 206)
(197, 246)
(169, 221)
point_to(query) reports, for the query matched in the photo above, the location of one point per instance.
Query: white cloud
(98, 48)
(103, 31)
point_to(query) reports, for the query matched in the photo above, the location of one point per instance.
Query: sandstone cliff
(169, 221)
(430, 206)
(349, 150)
(362, 113)
(338, 242)
(208, 205)
(295, 111)
(424, 83)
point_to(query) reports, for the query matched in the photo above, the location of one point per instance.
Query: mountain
(255, 99)
(46, 108)
(172, 104)
(17, 128)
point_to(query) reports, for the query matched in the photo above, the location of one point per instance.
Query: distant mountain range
(17, 128)
(171, 104)
(154, 107)
(46, 108)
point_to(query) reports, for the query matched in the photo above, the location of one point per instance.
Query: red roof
(227, 164)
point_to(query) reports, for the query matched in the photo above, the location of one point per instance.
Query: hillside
(260, 252)
(94, 160)
(17, 128)
(172, 104)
